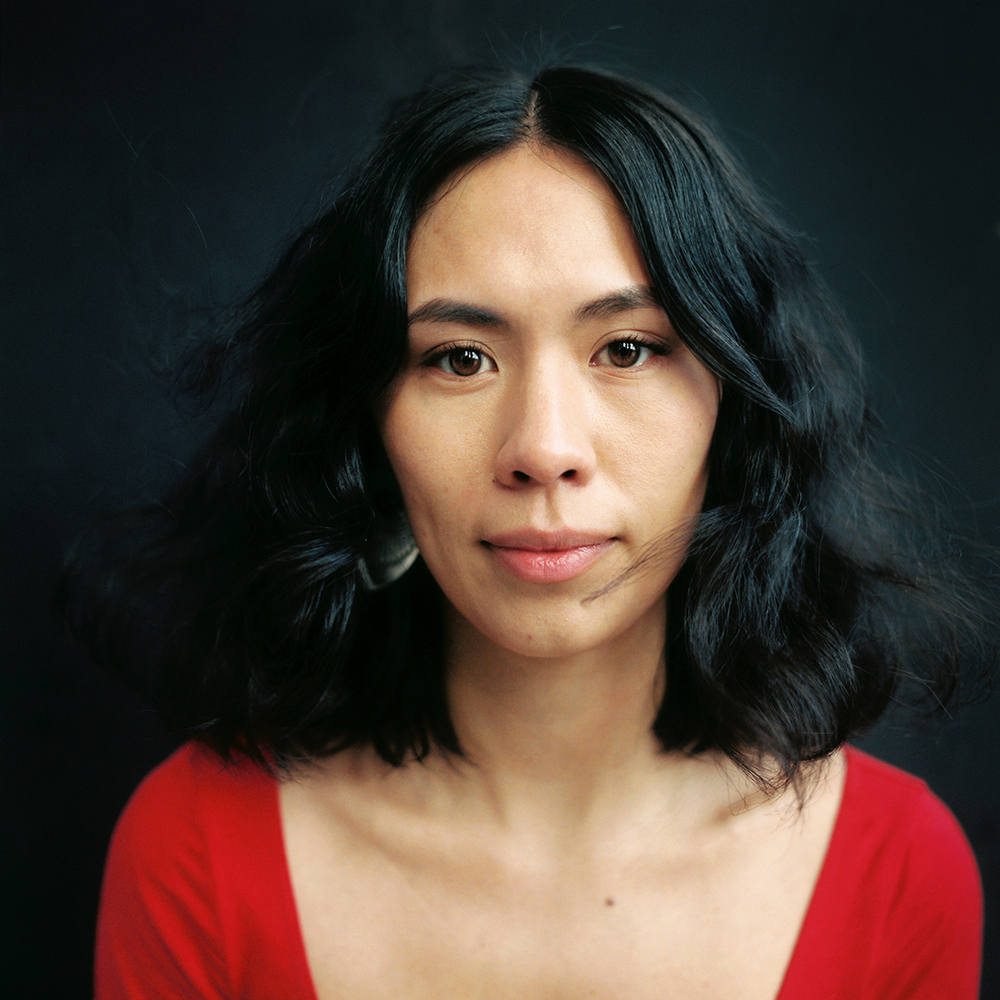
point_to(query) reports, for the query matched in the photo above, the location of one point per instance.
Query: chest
(461, 923)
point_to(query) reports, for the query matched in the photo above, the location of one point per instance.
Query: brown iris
(624, 353)
(465, 361)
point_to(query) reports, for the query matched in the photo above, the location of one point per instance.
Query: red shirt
(197, 900)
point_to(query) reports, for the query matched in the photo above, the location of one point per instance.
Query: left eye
(627, 353)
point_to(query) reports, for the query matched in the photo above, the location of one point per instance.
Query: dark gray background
(156, 154)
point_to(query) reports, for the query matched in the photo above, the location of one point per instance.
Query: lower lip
(548, 567)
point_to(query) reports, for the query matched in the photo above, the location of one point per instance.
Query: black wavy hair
(801, 608)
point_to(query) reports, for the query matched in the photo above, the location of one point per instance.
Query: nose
(547, 433)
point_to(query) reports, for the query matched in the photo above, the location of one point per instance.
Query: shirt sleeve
(158, 933)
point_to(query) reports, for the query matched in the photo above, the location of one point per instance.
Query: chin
(561, 632)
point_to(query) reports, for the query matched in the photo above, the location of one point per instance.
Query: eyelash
(655, 348)
(436, 359)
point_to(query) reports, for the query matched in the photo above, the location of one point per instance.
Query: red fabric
(897, 913)
(197, 900)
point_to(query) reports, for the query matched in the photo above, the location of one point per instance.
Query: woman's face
(549, 430)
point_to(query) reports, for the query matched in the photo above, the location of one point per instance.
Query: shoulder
(898, 908)
(187, 796)
(187, 819)
(904, 829)
(195, 881)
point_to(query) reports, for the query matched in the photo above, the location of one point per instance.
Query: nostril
(524, 477)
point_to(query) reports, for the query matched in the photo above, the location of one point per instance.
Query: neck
(557, 741)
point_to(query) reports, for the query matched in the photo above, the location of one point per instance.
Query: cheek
(430, 463)
(666, 446)
(409, 459)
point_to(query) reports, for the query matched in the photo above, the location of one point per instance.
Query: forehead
(530, 221)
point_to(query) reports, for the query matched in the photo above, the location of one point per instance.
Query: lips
(547, 556)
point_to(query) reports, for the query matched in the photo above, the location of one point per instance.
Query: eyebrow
(623, 300)
(449, 311)
(466, 314)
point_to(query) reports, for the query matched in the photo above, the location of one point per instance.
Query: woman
(590, 742)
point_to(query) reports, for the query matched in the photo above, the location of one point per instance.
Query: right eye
(463, 361)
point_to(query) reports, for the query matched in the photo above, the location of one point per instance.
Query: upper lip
(536, 540)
